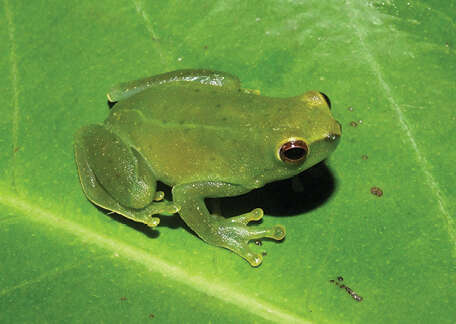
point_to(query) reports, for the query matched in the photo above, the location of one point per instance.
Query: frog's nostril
(335, 133)
(332, 137)
(328, 102)
(333, 140)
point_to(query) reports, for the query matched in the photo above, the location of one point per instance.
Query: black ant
(350, 291)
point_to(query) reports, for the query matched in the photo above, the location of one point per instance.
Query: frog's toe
(146, 215)
(253, 258)
(243, 250)
(159, 195)
(170, 208)
(276, 232)
(153, 222)
(253, 215)
(162, 207)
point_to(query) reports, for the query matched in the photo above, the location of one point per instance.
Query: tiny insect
(350, 291)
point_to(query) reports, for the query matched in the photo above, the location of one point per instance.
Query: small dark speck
(218, 105)
(257, 242)
(151, 315)
(205, 47)
(447, 45)
(353, 123)
(264, 253)
(340, 278)
(364, 157)
(123, 298)
(197, 90)
(376, 191)
(16, 149)
(332, 280)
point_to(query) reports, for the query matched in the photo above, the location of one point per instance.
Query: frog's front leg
(207, 77)
(116, 177)
(231, 233)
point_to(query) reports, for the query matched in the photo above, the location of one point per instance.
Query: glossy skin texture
(199, 132)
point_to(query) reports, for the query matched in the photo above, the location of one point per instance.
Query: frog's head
(308, 135)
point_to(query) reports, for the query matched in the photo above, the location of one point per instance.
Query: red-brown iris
(294, 151)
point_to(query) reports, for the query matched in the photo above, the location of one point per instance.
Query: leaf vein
(155, 39)
(57, 272)
(14, 77)
(421, 158)
(218, 290)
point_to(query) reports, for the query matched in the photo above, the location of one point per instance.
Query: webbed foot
(235, 235)
(162, 207)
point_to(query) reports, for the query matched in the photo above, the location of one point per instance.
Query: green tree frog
(202, 134)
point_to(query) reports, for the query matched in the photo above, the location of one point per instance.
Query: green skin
(199, 132)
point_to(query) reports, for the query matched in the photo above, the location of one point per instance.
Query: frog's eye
(293, 152)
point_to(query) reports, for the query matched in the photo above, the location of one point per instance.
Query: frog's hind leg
(208, 77)
(116, 177)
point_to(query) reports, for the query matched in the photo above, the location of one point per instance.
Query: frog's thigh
(208, 77)
(119, 169)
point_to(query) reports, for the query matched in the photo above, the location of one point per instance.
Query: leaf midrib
(14, 85)
(217, 290)
(403, 123)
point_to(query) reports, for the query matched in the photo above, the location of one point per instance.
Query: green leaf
(388, 66)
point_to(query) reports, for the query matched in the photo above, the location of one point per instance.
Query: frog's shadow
(286, 198)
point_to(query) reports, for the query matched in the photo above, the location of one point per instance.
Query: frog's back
(197, 132)
(185, 103)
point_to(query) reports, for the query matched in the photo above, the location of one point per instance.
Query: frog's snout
(339, 128)
(335, 133)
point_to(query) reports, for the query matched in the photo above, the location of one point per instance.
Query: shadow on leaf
(291, 197)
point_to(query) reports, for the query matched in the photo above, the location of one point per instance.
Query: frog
(201, 133)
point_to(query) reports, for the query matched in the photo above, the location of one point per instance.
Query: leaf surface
(389, 68)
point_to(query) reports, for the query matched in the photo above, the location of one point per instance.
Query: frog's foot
(163, 207)
(145, 215)
(151, 221)
(235, 235)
